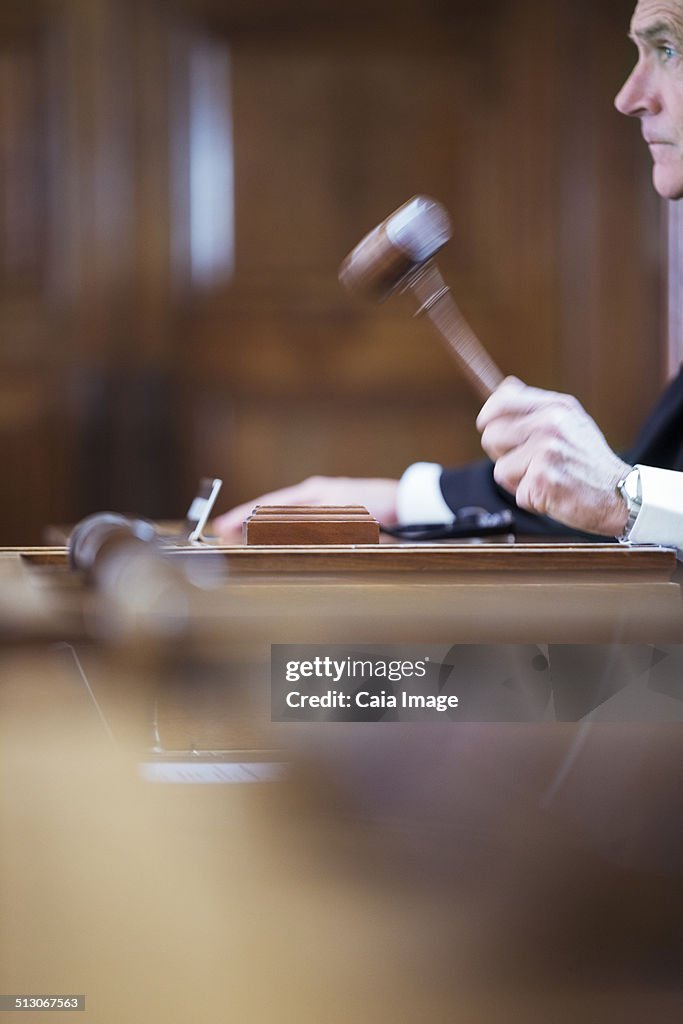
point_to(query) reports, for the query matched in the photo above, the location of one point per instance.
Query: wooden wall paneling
(152, 69)
(33, 450)
(146, 378)
(88, 321)
(22, 220)
(330, 134)
(122, 322)
(610, 236)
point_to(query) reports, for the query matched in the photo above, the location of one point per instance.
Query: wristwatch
(629, 487)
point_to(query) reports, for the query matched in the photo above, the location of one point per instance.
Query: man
(549, 460)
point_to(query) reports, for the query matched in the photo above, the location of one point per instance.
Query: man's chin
(668, 182)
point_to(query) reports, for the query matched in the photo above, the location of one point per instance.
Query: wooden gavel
(399, 256)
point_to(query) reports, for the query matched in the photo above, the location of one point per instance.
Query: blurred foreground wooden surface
(394, 874)
(394, 871)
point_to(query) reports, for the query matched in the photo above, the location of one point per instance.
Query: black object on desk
(468, 522)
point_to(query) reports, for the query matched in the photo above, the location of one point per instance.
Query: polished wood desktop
(468, 593)
(199, 659)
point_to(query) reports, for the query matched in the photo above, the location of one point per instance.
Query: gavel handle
(438, 304)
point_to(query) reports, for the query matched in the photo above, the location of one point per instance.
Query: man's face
(654, 90)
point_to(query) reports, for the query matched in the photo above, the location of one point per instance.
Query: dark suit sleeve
(659, 443)
(474, 485)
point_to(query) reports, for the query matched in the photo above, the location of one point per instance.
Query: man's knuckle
(559, 421)
(524, 499)
(553, 479)
(553, 452)
(488, 441)
(537, 488)
(502, 474)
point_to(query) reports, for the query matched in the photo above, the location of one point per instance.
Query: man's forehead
(656, 14)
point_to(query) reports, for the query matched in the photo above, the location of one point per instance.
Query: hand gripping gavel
(399, 256)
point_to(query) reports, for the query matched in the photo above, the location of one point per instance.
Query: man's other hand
(378, 496)
(552, 456)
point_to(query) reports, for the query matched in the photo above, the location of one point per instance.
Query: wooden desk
(210, 674)
(483, 593)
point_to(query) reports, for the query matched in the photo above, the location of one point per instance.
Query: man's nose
(638, 94)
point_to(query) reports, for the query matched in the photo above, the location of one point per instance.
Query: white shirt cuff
(660, 520)
(419, 495)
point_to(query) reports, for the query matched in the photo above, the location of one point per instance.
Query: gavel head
(389, 256)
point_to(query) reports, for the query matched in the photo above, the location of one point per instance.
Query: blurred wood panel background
(179, 182)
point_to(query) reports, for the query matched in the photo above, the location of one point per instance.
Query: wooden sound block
(305, 524)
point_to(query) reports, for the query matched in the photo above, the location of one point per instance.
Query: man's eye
(667, 53)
